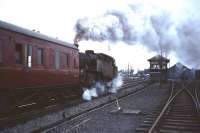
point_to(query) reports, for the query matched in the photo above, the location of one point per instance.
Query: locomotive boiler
(96, 67)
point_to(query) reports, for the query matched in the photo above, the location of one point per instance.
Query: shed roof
(158, 58)
(17, 29)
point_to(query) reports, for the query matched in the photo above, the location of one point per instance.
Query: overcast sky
(57, 18)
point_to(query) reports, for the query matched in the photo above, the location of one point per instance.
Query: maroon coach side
(31, 60)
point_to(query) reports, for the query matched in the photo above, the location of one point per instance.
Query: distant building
(181, 72)
(158, 68)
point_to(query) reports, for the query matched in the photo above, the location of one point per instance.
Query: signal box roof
(158, 58)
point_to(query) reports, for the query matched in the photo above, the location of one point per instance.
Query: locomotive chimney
(76, 44)
(76, 40)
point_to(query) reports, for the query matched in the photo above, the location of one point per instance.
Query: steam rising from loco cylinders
(100, 88)
(160, 26)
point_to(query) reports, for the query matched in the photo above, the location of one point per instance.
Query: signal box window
(40, 55)
(18, 53)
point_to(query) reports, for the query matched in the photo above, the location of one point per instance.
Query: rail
(195, 97)
(50, 127)
(170, 99)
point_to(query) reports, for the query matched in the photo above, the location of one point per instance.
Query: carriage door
(28, 55)
(1, 52)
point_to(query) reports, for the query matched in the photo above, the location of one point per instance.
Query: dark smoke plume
(113, 26)
(157, 29)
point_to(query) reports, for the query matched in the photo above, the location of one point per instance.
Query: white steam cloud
(162, 26)
(101, 88)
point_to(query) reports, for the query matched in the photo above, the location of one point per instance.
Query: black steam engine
(96, 67)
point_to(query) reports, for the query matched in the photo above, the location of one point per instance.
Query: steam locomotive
(96, 67)
(35, 67)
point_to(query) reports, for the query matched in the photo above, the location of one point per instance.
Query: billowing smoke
(101, 88)
(162, 26)
(189, 35)
(150, 30)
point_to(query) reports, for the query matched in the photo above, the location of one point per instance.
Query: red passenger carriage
(32, 63)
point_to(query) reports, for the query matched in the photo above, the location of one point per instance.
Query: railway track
(132, 82)
(180, 113)
(30, 111)
(83, 115)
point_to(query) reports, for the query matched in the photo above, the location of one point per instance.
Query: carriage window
(40, 55)
(18, 53)
(28, 50)
(57, 59)
(66, 59)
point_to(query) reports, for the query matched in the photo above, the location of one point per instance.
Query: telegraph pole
(128, 69)
(161, 71)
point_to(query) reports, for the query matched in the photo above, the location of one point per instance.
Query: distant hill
(179, 71)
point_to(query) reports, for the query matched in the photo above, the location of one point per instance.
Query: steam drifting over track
(57, 113)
